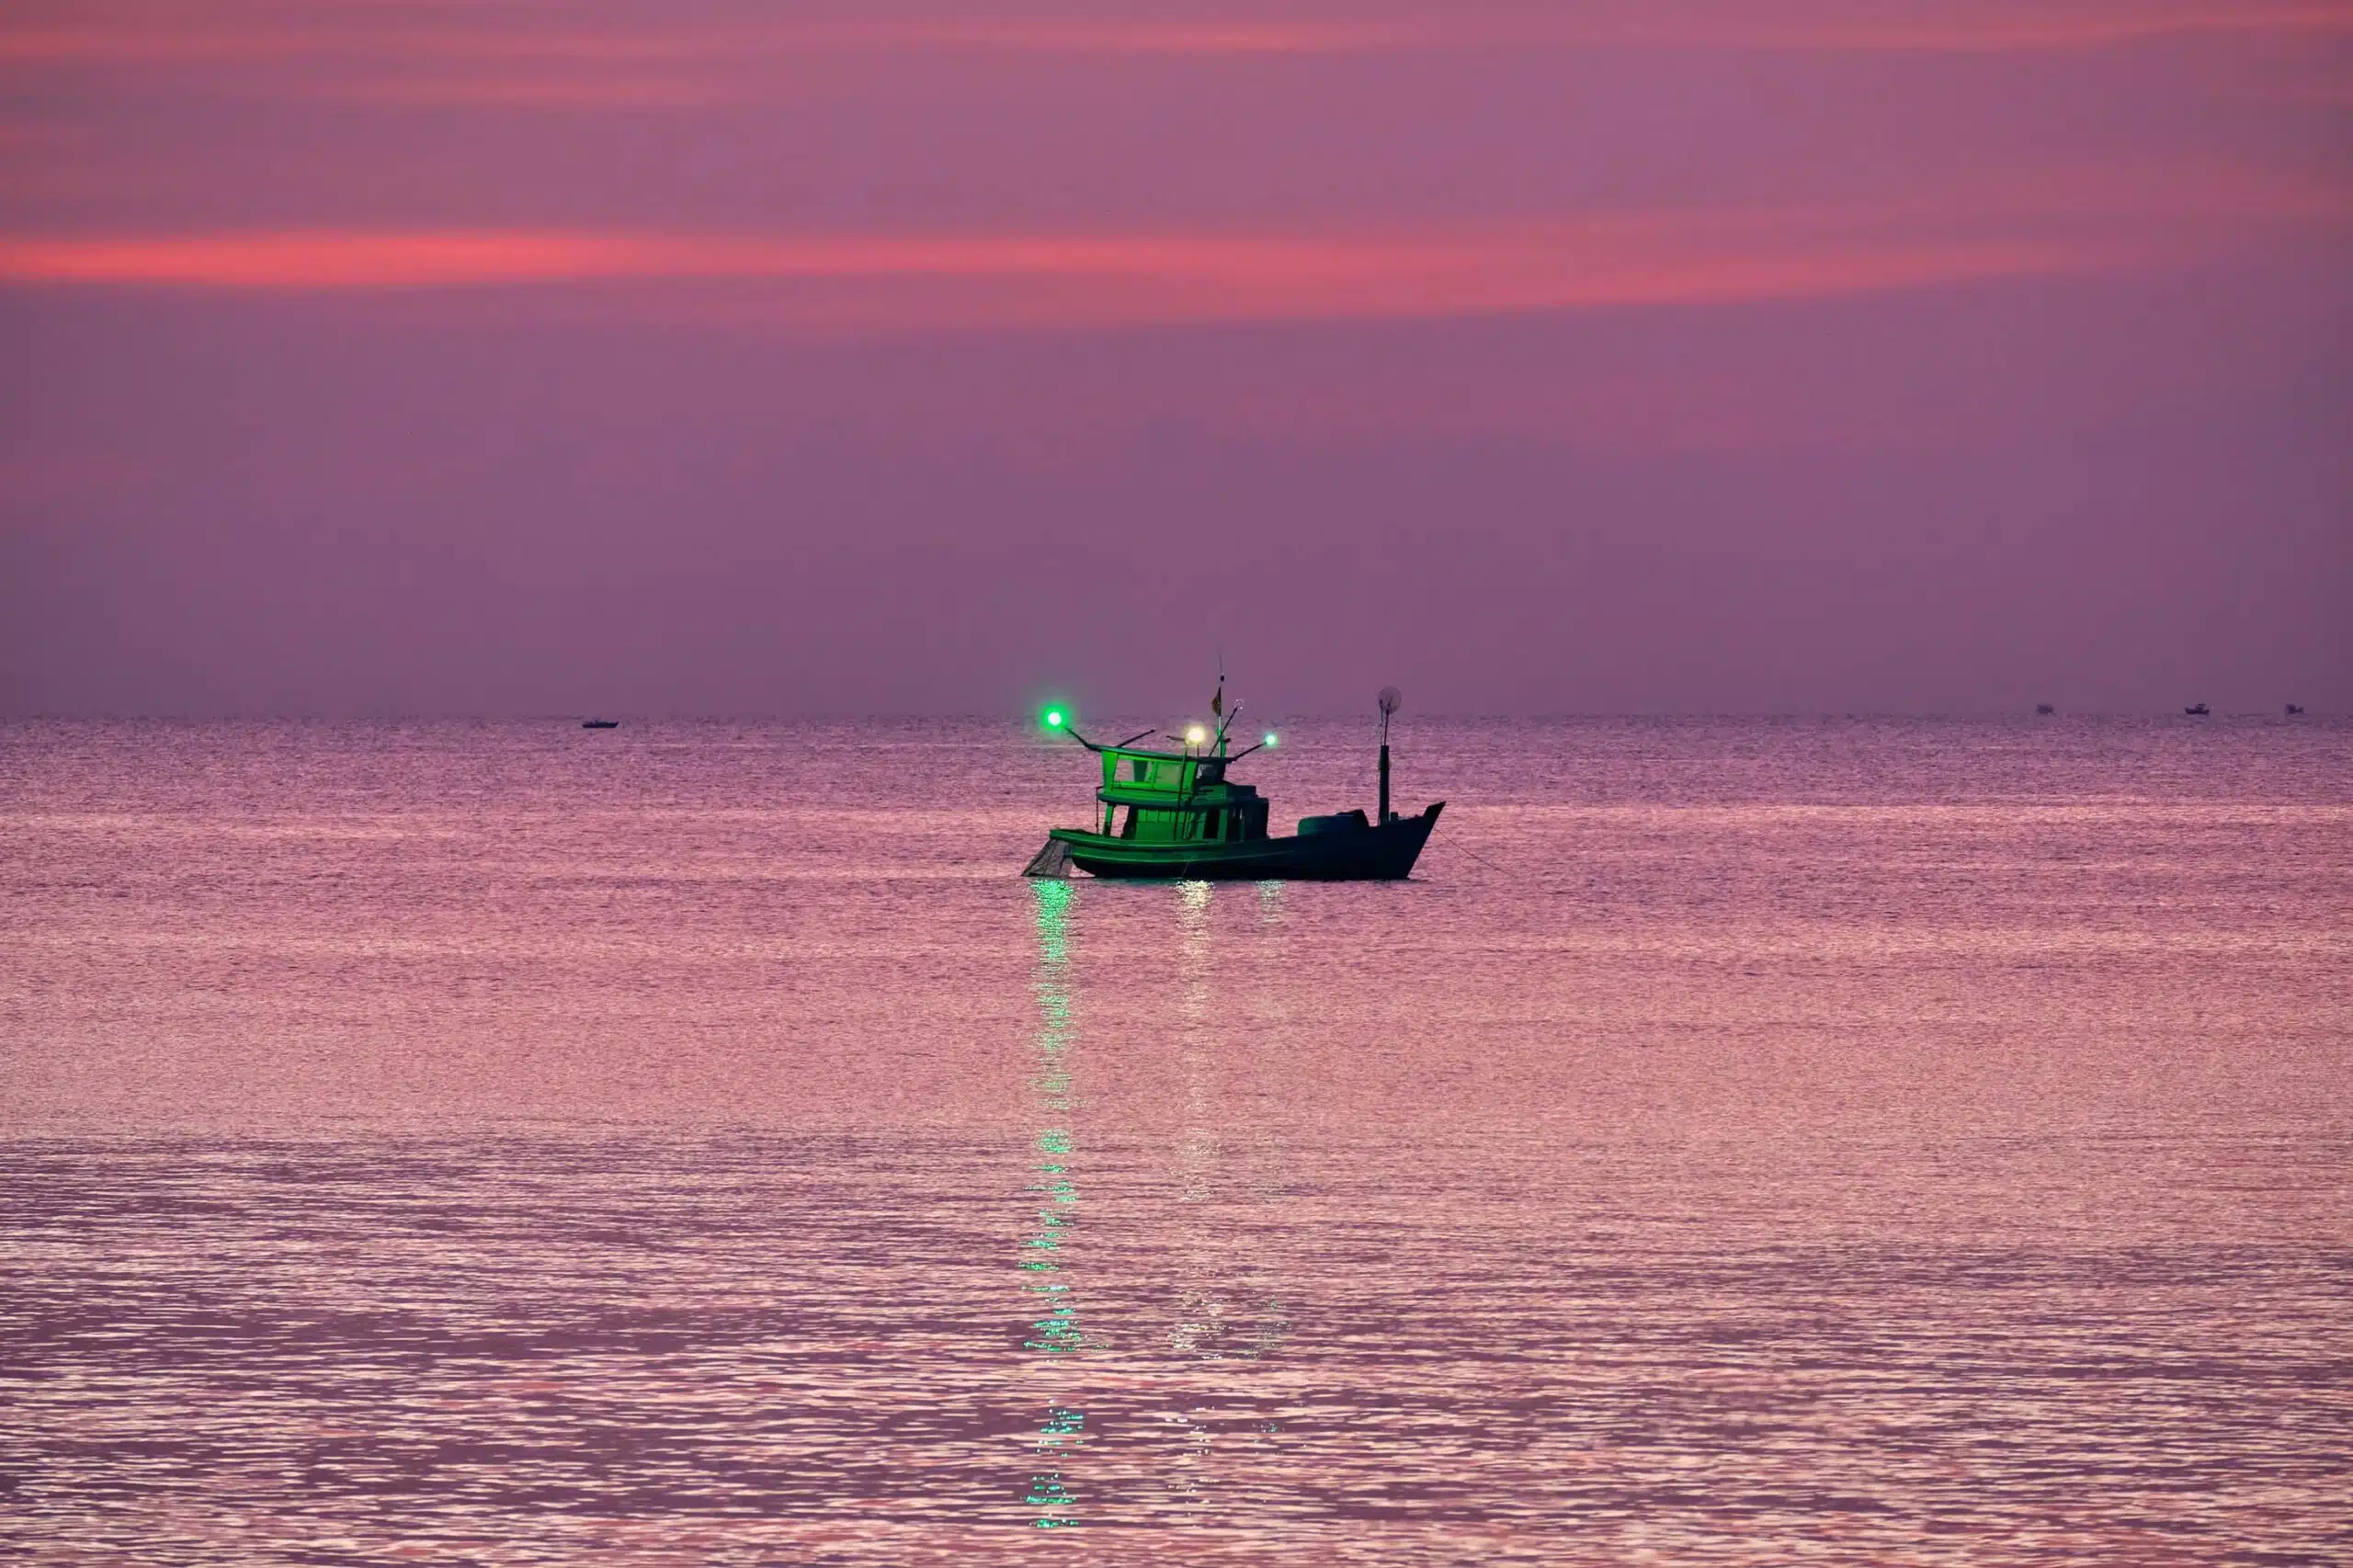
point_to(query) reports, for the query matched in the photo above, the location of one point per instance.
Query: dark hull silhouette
(600, 723)
(1383, 852)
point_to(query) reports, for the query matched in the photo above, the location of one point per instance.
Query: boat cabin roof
(1166, 779)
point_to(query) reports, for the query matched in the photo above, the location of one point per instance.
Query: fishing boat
(1175, 815)
(600, 723)
(2198, 710)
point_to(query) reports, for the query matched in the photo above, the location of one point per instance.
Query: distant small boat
(600, 723)
(2045, 709)
(2198, 709)
(2294, 709)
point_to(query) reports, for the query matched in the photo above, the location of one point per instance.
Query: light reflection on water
(1050, 1261)
(1851, 1145)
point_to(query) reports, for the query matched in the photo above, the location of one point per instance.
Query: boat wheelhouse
(1176, 814)
(1151, 797)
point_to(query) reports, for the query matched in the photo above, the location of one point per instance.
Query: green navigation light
(1270, 740)
(1055, 718)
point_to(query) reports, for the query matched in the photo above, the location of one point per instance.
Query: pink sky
(1718, 356)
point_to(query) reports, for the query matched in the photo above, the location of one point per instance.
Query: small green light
(1271, 738)
(1055, 718)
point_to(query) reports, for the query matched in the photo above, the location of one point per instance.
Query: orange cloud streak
(877, 283)
(1976, 28)
(263, 32)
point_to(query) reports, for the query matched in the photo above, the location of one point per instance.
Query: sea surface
(1825, 1141)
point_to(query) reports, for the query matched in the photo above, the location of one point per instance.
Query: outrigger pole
(1071, 731)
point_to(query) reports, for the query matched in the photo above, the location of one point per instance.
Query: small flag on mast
(1217, 703)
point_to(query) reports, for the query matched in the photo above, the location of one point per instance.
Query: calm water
(1836, 1142)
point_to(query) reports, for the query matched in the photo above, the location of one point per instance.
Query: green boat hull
(1375, 854)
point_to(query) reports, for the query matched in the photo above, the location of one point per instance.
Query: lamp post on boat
(1391, 700)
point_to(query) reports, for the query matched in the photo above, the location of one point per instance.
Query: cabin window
(1211, 826)
(1144, 770)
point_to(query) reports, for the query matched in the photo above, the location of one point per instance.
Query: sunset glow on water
(1741, 1141)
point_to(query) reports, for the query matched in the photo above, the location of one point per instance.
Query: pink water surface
(1832, 1141)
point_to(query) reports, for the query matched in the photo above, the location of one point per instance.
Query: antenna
(1218, 710)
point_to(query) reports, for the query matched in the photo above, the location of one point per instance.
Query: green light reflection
(1057, 1334)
